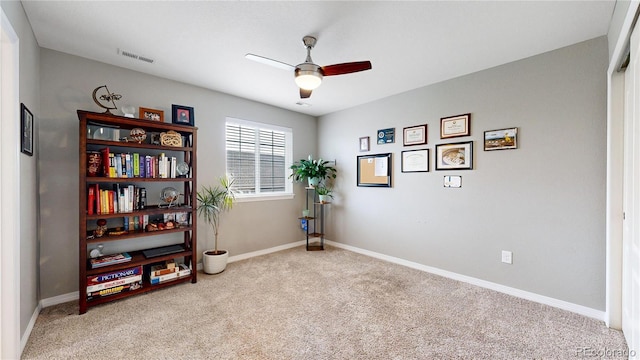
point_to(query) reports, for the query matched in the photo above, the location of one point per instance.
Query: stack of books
(168, 271)
(114, 282)
(107, 260)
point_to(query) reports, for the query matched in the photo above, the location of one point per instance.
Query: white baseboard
(560, 304)
(72, 296)
(27, 331)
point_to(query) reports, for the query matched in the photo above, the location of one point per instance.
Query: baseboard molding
(73, 296)
(27, 331)
(560, 304)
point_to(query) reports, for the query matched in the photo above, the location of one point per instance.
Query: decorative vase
(214, 263)
(313, 182)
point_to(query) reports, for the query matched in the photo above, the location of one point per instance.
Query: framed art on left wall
(26, 127)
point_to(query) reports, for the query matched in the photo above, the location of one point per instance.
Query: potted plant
(324, 192)
(213, 201)
(314, 170)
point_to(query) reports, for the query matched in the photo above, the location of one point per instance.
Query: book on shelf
(114, 283)
(107, 260)
(114, 290)
(178, 272)
(114, 275)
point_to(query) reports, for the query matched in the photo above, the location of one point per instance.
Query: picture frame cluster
(448, 155)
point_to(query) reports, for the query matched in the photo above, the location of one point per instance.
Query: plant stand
(315, 222)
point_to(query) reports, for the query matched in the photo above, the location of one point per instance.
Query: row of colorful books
(130, 279)
(119, 199)
(133, 165)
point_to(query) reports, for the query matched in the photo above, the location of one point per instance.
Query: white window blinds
(257, 157)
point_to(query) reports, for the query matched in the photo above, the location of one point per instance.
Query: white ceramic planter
(313, 182)
(214, 264)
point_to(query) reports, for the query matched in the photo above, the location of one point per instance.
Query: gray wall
(66, 85)
(30, 96)
(544, 201)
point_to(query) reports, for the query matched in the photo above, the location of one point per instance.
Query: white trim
(265, 251)
(263, 197)
(615, 168)
(27, 331)
(60, 299)
(564, 305)
(9, 197)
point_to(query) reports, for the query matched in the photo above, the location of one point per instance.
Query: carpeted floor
(332, 304)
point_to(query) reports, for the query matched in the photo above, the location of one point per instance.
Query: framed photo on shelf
(374, 170)
(455, 126)
(415, 135)
(364, 143)
(182, 115)
(502, 139)
(26, 126)
(151, 114)
(456, 156)
(415, 160)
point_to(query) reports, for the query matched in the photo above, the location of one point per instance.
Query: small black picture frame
(26, 127)
(182, 115)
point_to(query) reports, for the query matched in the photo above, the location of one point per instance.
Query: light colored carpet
(332, 304)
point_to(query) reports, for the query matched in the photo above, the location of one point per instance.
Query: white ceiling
(410, 44)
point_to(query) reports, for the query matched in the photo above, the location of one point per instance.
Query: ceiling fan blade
(346, 68)
(274, 63)
(305, 94)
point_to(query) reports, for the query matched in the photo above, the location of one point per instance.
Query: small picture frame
(151, 114)
(415, 135)
(457, 156)
(364, 143)
(182, 115)
(386, 136)
(26, 126)
(415, 161)
(455, 126)
(501, 139)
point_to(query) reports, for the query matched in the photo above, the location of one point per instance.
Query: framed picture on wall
(454, 126)
(364, 143)
(502, 139)
(457, 156)
(415, 135)
(26, 126)
(415, 160)
(182, 115)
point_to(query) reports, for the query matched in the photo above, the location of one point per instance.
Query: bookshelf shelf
(110, 204)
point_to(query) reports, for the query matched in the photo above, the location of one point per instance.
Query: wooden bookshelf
(184, 234)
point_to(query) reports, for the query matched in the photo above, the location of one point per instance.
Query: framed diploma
(454, 126)
(415, 135)
(457, 156)
(415, 160)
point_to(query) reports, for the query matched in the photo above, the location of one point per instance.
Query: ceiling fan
(308, 75)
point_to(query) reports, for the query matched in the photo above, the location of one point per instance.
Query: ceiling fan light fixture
(308, 76)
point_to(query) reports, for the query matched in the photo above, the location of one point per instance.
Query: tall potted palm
(213, 201)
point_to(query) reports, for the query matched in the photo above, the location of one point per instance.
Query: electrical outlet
(507, 257)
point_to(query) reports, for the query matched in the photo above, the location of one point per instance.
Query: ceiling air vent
(134, 56)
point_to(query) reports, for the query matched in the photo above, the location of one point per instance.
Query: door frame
(9, 182)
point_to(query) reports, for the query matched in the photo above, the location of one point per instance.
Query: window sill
(263, 197)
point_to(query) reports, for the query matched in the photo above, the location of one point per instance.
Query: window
(258, 158)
